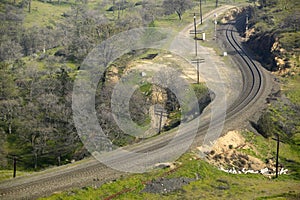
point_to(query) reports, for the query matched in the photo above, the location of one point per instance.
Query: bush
(265, 125)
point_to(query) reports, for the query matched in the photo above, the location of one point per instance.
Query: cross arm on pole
(198, 60)
(197, 32)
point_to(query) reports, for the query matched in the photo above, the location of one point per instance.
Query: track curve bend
(253, 77)
(92, 172)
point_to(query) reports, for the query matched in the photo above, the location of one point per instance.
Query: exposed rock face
(269, 46)
(262, 45)
(112, 74)
(228, 151)
(230, 15)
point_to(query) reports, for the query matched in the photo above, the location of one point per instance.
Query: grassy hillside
(41, 50)
(274, 34)
(207, 182)
(50, 42)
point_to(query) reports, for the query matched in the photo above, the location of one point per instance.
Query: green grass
(45, 65)
(45, 14)
(50, 14)
(247, 186)
(146, 89)
(200, 89)
(292, 89)
(7, 174)
(173, 22)
(206, 187)
(289, 195)
(289, 154)
(291, 40)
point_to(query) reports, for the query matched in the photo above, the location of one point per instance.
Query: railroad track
(253, 77)
(95, 173)
(81, 176)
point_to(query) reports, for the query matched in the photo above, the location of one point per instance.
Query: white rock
(164, 165)
(234, 171)
(283, 171)
(265, 170)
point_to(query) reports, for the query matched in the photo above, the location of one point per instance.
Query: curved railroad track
(253, 77)
(255, 87)
(94, 173)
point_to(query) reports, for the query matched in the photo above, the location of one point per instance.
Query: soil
(225, 153)
(163, 186)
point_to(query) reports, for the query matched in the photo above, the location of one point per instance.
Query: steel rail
(253, 80)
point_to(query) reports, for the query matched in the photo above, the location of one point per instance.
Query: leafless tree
(178, 6)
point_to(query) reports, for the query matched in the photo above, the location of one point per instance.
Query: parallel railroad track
(253, 77)
(94, 172)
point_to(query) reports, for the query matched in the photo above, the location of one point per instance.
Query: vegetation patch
(42, 45)
(8, 174)
(205, 181)
(273, 35)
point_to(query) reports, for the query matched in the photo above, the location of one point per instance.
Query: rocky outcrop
(262, 44)
(274, 48)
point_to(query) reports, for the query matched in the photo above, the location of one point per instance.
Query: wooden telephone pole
(195, 27)
(195, 32)
(14, 158)
(277, 156)
(198, 61)
(200, 4)
(161, 113)
(15, 166)
(277, 153)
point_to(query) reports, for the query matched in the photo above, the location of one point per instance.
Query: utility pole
(161, 114)
(200, 2)
(195, 27)
(14, 159)
(123, 6)
(215, 22)
(198, 61)
(15, 166)
(277, 153)
(29, 6)
(160, 121)
(119, 8)
(247, 21)
(195, 32)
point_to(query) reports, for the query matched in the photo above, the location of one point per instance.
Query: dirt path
(225, 81)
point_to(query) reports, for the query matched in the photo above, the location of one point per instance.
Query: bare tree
(10, 50)
(149, 11)
(178, 6)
